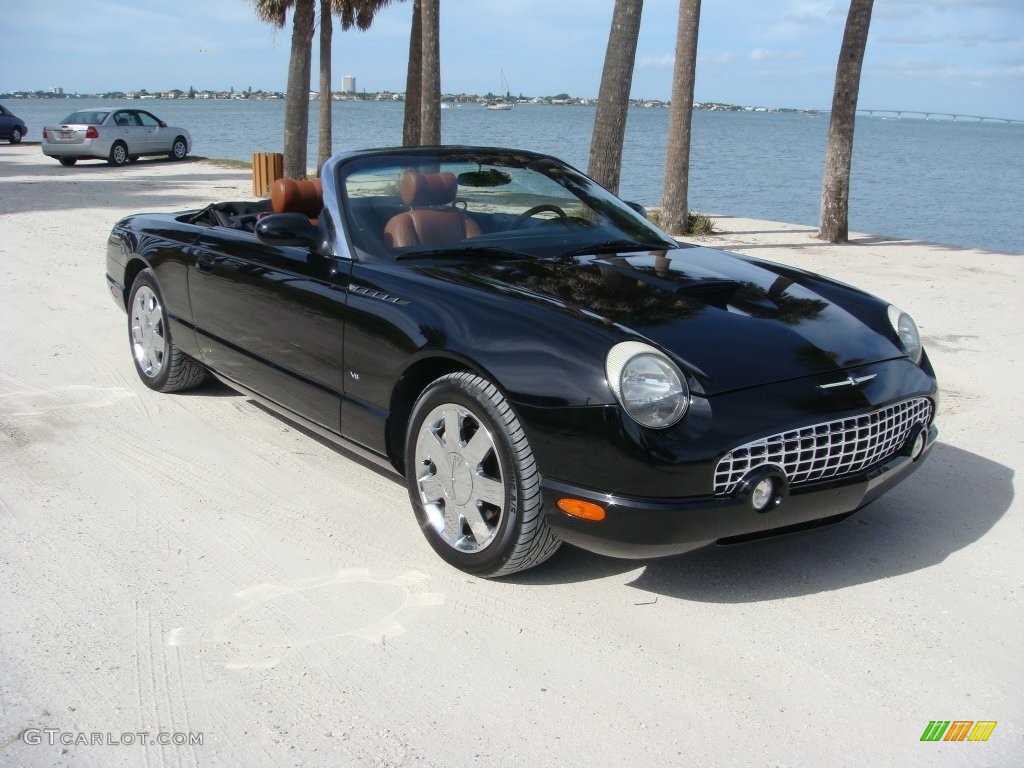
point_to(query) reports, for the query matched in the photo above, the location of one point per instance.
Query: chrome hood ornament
(849, 381)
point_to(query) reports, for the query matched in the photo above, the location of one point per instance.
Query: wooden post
(267, 167)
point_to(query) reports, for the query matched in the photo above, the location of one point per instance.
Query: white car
(116, 135)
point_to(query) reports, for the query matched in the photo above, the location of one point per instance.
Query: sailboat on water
(503, 104)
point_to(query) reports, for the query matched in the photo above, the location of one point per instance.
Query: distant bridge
(927, 115)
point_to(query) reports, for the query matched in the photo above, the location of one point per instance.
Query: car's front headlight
(906, 329)
(649, 386)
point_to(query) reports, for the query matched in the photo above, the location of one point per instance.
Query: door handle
(205, 261)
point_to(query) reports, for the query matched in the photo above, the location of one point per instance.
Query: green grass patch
(700, 224)
(223, 162)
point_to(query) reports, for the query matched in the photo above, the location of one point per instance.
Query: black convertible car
(539, 361)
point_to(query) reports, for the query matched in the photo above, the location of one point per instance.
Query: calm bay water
(957, 183)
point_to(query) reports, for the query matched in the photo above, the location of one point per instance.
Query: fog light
(918, 447)
(916, 442)
(762, 494)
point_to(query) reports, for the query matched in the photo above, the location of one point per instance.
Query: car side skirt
(353, 450)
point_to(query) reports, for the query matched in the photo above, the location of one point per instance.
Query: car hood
(731, 321)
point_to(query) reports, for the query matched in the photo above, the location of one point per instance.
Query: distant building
(348, 84)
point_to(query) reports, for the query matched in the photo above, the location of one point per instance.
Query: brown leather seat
(424, 225)
(291, 196)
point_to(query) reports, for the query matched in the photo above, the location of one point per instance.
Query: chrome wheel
(149, 339)
(179, 150)
(459, 478)
(119, 154)
(473, 483)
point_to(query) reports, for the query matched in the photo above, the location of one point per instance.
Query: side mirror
(288, 229)
(637, 207)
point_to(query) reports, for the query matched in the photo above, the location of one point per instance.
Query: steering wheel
(546, 207)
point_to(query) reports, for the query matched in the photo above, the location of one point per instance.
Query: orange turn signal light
(585, 509)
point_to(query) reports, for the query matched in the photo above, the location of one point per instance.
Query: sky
(956, 56)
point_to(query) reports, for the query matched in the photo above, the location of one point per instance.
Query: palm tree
(325, 139)
(353, 13)
(296, 105)
(430, 92)
(835, 187)
(677, 160)
(413, 81)
(605, 165)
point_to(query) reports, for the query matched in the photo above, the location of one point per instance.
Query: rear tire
(16, 136)
(118, 154)
(472, 479)
(179, 149)
(67, 162)
(160, 364)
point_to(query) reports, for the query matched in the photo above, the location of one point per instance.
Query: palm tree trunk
(430, 107)
(324, 129)
(605, 165)
(414, 82)
(677, 161)
(296, 105)
(834, 225)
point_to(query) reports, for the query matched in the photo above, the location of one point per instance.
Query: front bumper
(643, 528)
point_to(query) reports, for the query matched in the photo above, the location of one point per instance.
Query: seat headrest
(428, 188)
(291, 196)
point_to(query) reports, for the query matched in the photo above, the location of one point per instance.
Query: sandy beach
(192, 564)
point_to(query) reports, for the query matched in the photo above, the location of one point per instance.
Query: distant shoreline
(459, 99)
(473, 100)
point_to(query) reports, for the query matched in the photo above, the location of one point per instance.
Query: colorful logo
(958, 730)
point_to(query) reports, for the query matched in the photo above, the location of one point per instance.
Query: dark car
(539, 361)
(12, 127)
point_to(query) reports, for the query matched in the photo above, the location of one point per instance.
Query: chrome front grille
(830, 449)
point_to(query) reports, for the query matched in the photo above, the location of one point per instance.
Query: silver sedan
(115, 135)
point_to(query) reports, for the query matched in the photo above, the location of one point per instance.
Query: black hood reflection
(737, 322)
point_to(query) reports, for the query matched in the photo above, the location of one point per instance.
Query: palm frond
(272, 11)
(358, 13)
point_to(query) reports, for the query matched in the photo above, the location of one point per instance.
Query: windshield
(485, 204)
(85, 117)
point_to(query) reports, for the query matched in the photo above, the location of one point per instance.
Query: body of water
(949, 182)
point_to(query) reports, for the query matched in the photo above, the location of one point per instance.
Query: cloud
(762, 54)
(969, 41)
(812, 13)
(713, 59)
(668, 60)
(916, 10)
(956, 5)
(660, 61)
(942, 70)
(800, 18)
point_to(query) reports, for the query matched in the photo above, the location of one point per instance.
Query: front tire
(118, 154)
(16, 136)
(160, 364)
(472, 479)
(67, 162)
(179, 149)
